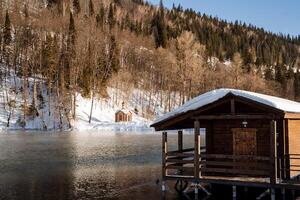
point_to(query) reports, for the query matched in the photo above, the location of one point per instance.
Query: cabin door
(244, 141)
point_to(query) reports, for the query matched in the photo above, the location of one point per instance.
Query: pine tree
(49, 58)
(297, 84)
(114, 54)
(26, 13)
(76, 6)
(111, 17)
(269, 73)
(91, 8)
(71, 40)
(7, 38)
(72, 32)
(7, 30)
(51, 3)
(160, 31)
(85, 81)
(280, 76)
(100, 16)
(161, 8)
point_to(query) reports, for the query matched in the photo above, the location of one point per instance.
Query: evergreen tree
(26, 13)
(58, 4)
(100, 16)
(85, 80)
(51, 3)
(114, 55)
(72, 32)
(162, 8)
(7, 30)
(269, 73)
(111, 17)
(159, 26)
(117, 2)
(91, 8)
(76, 6)
(49, 58)
(70, 50)
(297, 84)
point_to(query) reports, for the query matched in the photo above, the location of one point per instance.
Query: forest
(64, 48)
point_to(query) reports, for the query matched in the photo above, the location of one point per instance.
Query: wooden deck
(250, 171)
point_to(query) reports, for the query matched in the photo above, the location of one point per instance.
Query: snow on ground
(103, 116)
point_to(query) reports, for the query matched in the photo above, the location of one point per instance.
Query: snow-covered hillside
(104, 116)
(103, 113)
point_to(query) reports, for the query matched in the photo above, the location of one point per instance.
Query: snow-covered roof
(124, 111)
(214, 95)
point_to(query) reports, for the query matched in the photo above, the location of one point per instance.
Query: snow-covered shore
(103, 113)
(103, 118)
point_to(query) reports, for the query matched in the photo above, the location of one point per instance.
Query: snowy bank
(49, 117)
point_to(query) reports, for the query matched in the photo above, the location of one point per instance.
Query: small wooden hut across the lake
(123, 116)
(251, 140)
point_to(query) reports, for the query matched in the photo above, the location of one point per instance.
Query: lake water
(83, 165)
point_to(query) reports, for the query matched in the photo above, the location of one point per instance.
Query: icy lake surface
(82, 165)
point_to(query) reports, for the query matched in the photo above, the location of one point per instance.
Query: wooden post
(273, 197)
(197, 150)
(273, 152)
(233, 192)
(232, 106)
(283, 193)
(164, 156)
(180, 139)
(285, 159)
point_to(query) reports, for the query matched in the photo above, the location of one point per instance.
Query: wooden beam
(233, 157)
(180, 144)
(232, 106)
(273, 152)
(292, 115)
(287, 149)
(211, 117)
(164, 153)
(197, 150)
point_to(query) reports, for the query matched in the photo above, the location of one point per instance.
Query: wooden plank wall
(221, 130)
(294, 142)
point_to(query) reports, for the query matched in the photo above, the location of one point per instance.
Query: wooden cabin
(251, 139)
(123, 116)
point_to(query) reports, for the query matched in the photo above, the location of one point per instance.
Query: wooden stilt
(180, 141)
(197, 150)
(283, 194)
(245, 192)
(196, 191)
(273, 197)
(163, 186)
(164, 156)
(233, 192)
(273, 152)
(265, 193)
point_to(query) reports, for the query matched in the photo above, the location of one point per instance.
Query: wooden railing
(219, 164)
(181, 164)
(216, 164)
(181, 160)
(289, 166)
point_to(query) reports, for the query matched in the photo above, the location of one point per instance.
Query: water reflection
(82, 165)
(35, 167)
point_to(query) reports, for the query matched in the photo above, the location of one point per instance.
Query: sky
(278, 16)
